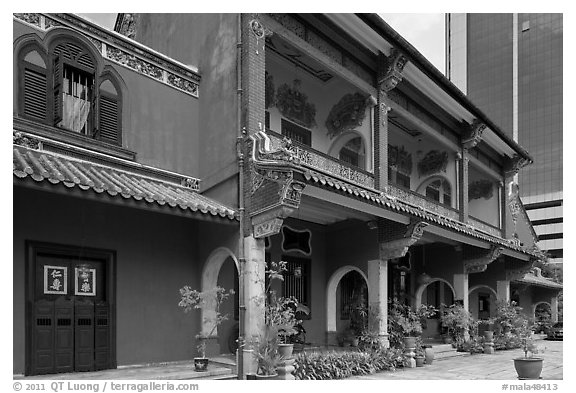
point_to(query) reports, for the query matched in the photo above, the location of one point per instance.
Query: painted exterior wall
(418, 150)
(208, 42)
(324, 96)
(160, 123)
(156, 255)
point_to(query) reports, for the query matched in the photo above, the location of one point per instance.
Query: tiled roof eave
(391, 203)
(56, 169)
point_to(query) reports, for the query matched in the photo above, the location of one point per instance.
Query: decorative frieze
(33, 19)
(133, 62)
(324, 164)
(123, 52)
(419, 201)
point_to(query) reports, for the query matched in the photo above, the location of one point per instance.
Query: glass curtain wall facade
(512, 69)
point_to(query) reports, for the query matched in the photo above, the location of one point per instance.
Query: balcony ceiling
(374, 42)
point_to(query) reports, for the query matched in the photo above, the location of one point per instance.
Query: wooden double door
(70, 318)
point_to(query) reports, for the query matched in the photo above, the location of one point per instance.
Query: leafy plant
(195, 300)
(404, 322)
(267, 352)
(457, 320)
(338, 365)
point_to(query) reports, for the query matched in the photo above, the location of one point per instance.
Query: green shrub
(338, 365)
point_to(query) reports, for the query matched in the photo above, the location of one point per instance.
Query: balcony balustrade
(324, 163)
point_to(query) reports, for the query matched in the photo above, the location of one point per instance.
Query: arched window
(74, 96)
(440, 191)
(64, 87)
(354, 153)
(34, 100)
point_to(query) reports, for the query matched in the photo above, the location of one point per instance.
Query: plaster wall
(208, 42)
(160, 123)
(484, 209)
(323, 95)
(418, 147)
(156, 254)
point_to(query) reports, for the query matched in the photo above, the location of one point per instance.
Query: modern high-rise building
(510, 65)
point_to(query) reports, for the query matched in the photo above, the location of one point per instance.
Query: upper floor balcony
(331, 122)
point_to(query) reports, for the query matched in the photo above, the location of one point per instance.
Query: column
(503, 290)
(463, 185)
(461, 289)
(254, 298)
(554, 308)
(378, 298)
(381, 130)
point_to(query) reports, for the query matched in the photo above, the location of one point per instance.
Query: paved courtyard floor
(498, 366)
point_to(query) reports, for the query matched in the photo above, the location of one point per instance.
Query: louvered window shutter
(58, 86)
(35, 92)
(109, 119)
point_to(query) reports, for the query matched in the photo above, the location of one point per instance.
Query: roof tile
(72, 172)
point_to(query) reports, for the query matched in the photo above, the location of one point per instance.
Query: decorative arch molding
(422, 287)
(331, 293)
(424, 183)
(535, 306)
(57, 35)
(482, 286)
(210, 273)
(346, 137)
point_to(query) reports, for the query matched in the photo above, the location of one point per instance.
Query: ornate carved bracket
(473, 134)
(275, 192)
(397, 248)
(393, 75)
(514, 165)
(480, 263)
(519, 273)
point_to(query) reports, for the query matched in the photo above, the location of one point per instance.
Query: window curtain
(75, 113)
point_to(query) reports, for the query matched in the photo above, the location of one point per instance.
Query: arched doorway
(542, 313)
(340, 299)
(482, 304)
(436, 292)
(221, 269)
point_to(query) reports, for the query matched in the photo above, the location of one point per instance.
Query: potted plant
(528, 367)
(419, 353)
(405, 323)
(280, 312)
(211, 299)
(457, 321)
(267, 354)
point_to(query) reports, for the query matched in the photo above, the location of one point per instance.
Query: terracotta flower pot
(528, 368)
(410, 342)
(265, 377)
(285, 350)
(201, 364)
(429, 354)
(419, 361)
